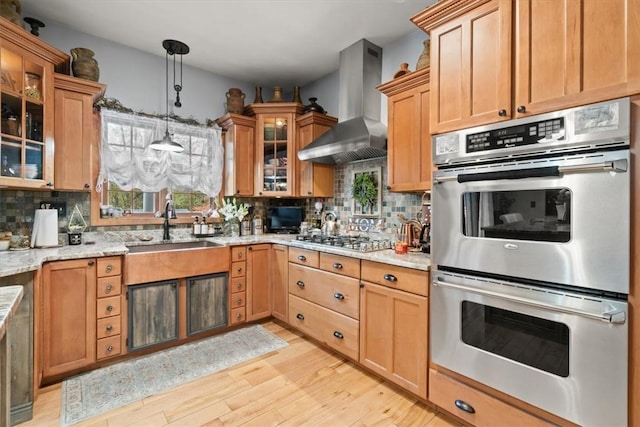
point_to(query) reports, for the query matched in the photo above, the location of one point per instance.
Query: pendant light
(172, 47)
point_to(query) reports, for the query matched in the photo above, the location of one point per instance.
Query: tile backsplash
(18, 206)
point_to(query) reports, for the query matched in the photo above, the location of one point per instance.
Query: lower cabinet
(279, 282)
(258, 281)
(206, 303)
(68, 322)
(153, 314)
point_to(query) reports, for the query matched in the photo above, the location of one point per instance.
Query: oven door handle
(619, 165)
(615, 316)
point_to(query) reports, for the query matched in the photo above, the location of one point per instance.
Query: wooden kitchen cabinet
(239, 154)
(68, 323)
(146, 328)
(313, 179)
(206, 303)
(110, 304)
(408, 136)
(559, 54)
(76, 132)
(27, 65)
(275, 147)
(238, 278)
(279, 282)
(258, 281)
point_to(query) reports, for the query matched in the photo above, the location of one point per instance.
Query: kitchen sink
(172, 246)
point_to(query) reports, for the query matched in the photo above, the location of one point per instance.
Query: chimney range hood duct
(359, 134)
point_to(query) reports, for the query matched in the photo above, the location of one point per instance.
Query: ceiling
(266, 42)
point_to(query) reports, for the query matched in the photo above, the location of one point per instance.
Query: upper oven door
(560, 220)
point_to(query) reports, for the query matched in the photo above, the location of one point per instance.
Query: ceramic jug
(84, 65)
(235, 100)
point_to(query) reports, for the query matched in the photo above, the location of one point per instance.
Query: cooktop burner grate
(361, 244)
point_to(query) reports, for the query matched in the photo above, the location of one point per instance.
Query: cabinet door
(239, 154)
(571, 52)
(314, 179)
(409, 140)
(393, 336)
(146, 327)
(275, 154)
(76, 130)
(68, 316)
(258, 282)
(206, 303)
(279, 282)
(471, 68)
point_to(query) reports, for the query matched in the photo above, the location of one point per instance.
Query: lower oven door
(564, 353)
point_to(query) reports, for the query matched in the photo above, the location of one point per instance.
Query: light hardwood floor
(301, 384)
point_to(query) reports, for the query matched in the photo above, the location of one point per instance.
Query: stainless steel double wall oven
(530, 256)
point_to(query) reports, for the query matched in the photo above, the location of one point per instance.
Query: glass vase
(231, 228)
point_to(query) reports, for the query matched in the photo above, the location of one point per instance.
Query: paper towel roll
(45, 228)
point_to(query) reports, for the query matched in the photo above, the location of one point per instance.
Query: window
(136, 178)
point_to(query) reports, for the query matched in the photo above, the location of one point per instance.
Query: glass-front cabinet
(26, 94)
(275, 147)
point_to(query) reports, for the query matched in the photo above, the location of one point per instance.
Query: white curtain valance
(127, 160)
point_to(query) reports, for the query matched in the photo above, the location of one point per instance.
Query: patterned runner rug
(93, 393)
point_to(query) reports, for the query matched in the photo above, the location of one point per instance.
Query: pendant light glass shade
(172, 47)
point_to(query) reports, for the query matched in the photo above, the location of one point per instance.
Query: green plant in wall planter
(365, 191)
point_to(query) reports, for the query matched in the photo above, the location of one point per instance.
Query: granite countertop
(115, 243)
(10, 297)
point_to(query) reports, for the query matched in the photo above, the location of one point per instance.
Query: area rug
(93, 393)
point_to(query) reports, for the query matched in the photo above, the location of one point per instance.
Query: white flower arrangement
(230, 209)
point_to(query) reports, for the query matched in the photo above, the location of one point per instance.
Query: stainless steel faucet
(169, 213)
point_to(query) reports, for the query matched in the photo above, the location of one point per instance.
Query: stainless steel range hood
(359, 134)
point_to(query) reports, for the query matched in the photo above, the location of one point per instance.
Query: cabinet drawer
(304, 257)
(344, 265)
(107, 307)
(238, 269)
(238, 253)
(332, 329)
(238, 315)
(108, 327)
(238, 284)
(109, 266)
(108, 347)
(338, 293)
(445, 391)
(109, 286)
(237, 300)
(406, 279)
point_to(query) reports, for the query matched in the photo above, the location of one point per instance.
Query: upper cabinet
(239, 154)
(408, 136)
(76, 132)
(564, 53)
(313, 179)
(26, 90)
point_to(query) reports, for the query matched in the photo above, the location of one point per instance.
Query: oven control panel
(514, 136)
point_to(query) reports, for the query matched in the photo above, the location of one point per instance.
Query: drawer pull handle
(239, 300)
(337, 265)
(299, 316)
(240, 270)
(338, 295)
(109, 267)
(238, 316)
(338, 335)
(108, 288)
(90, 262)
(109, 328)
(239, 254)
(109, 348)
(461, 404)
(239, 285)
(390, 278)
(302, 257)
(300, 284)
(109, 308)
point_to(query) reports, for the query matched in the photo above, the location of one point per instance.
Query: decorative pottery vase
(277, 95)
(425, 56)
(314, 107)
(404, 69)
(296, 95)
(235, 100)
(84, 65)
(11, 9)
(258, 99)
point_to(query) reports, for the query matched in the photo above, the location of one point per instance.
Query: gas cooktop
(361, 244)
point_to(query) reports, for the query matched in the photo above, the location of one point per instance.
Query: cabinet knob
(337, 265)
(108, 288)
(300, 316)
(239, 269)
(109, 308)
(237, 191)
(109, 328)
(309, 193)
(300, 284)
(238, 316)
(239, 301)
(239, 286)
(260, 193)
(390, 278)
(109, 348)
(49, 184)
(461, 404)
(87, 186)
(240, 255)
(338, 335)
(90, 262)
(521, 109)
(302, 258)
(338, 295)
(388, 187)
(250, 248)
(502, 113)
(109, 267)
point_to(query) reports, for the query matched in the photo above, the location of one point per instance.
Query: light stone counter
(115, 243)
(10, 297)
